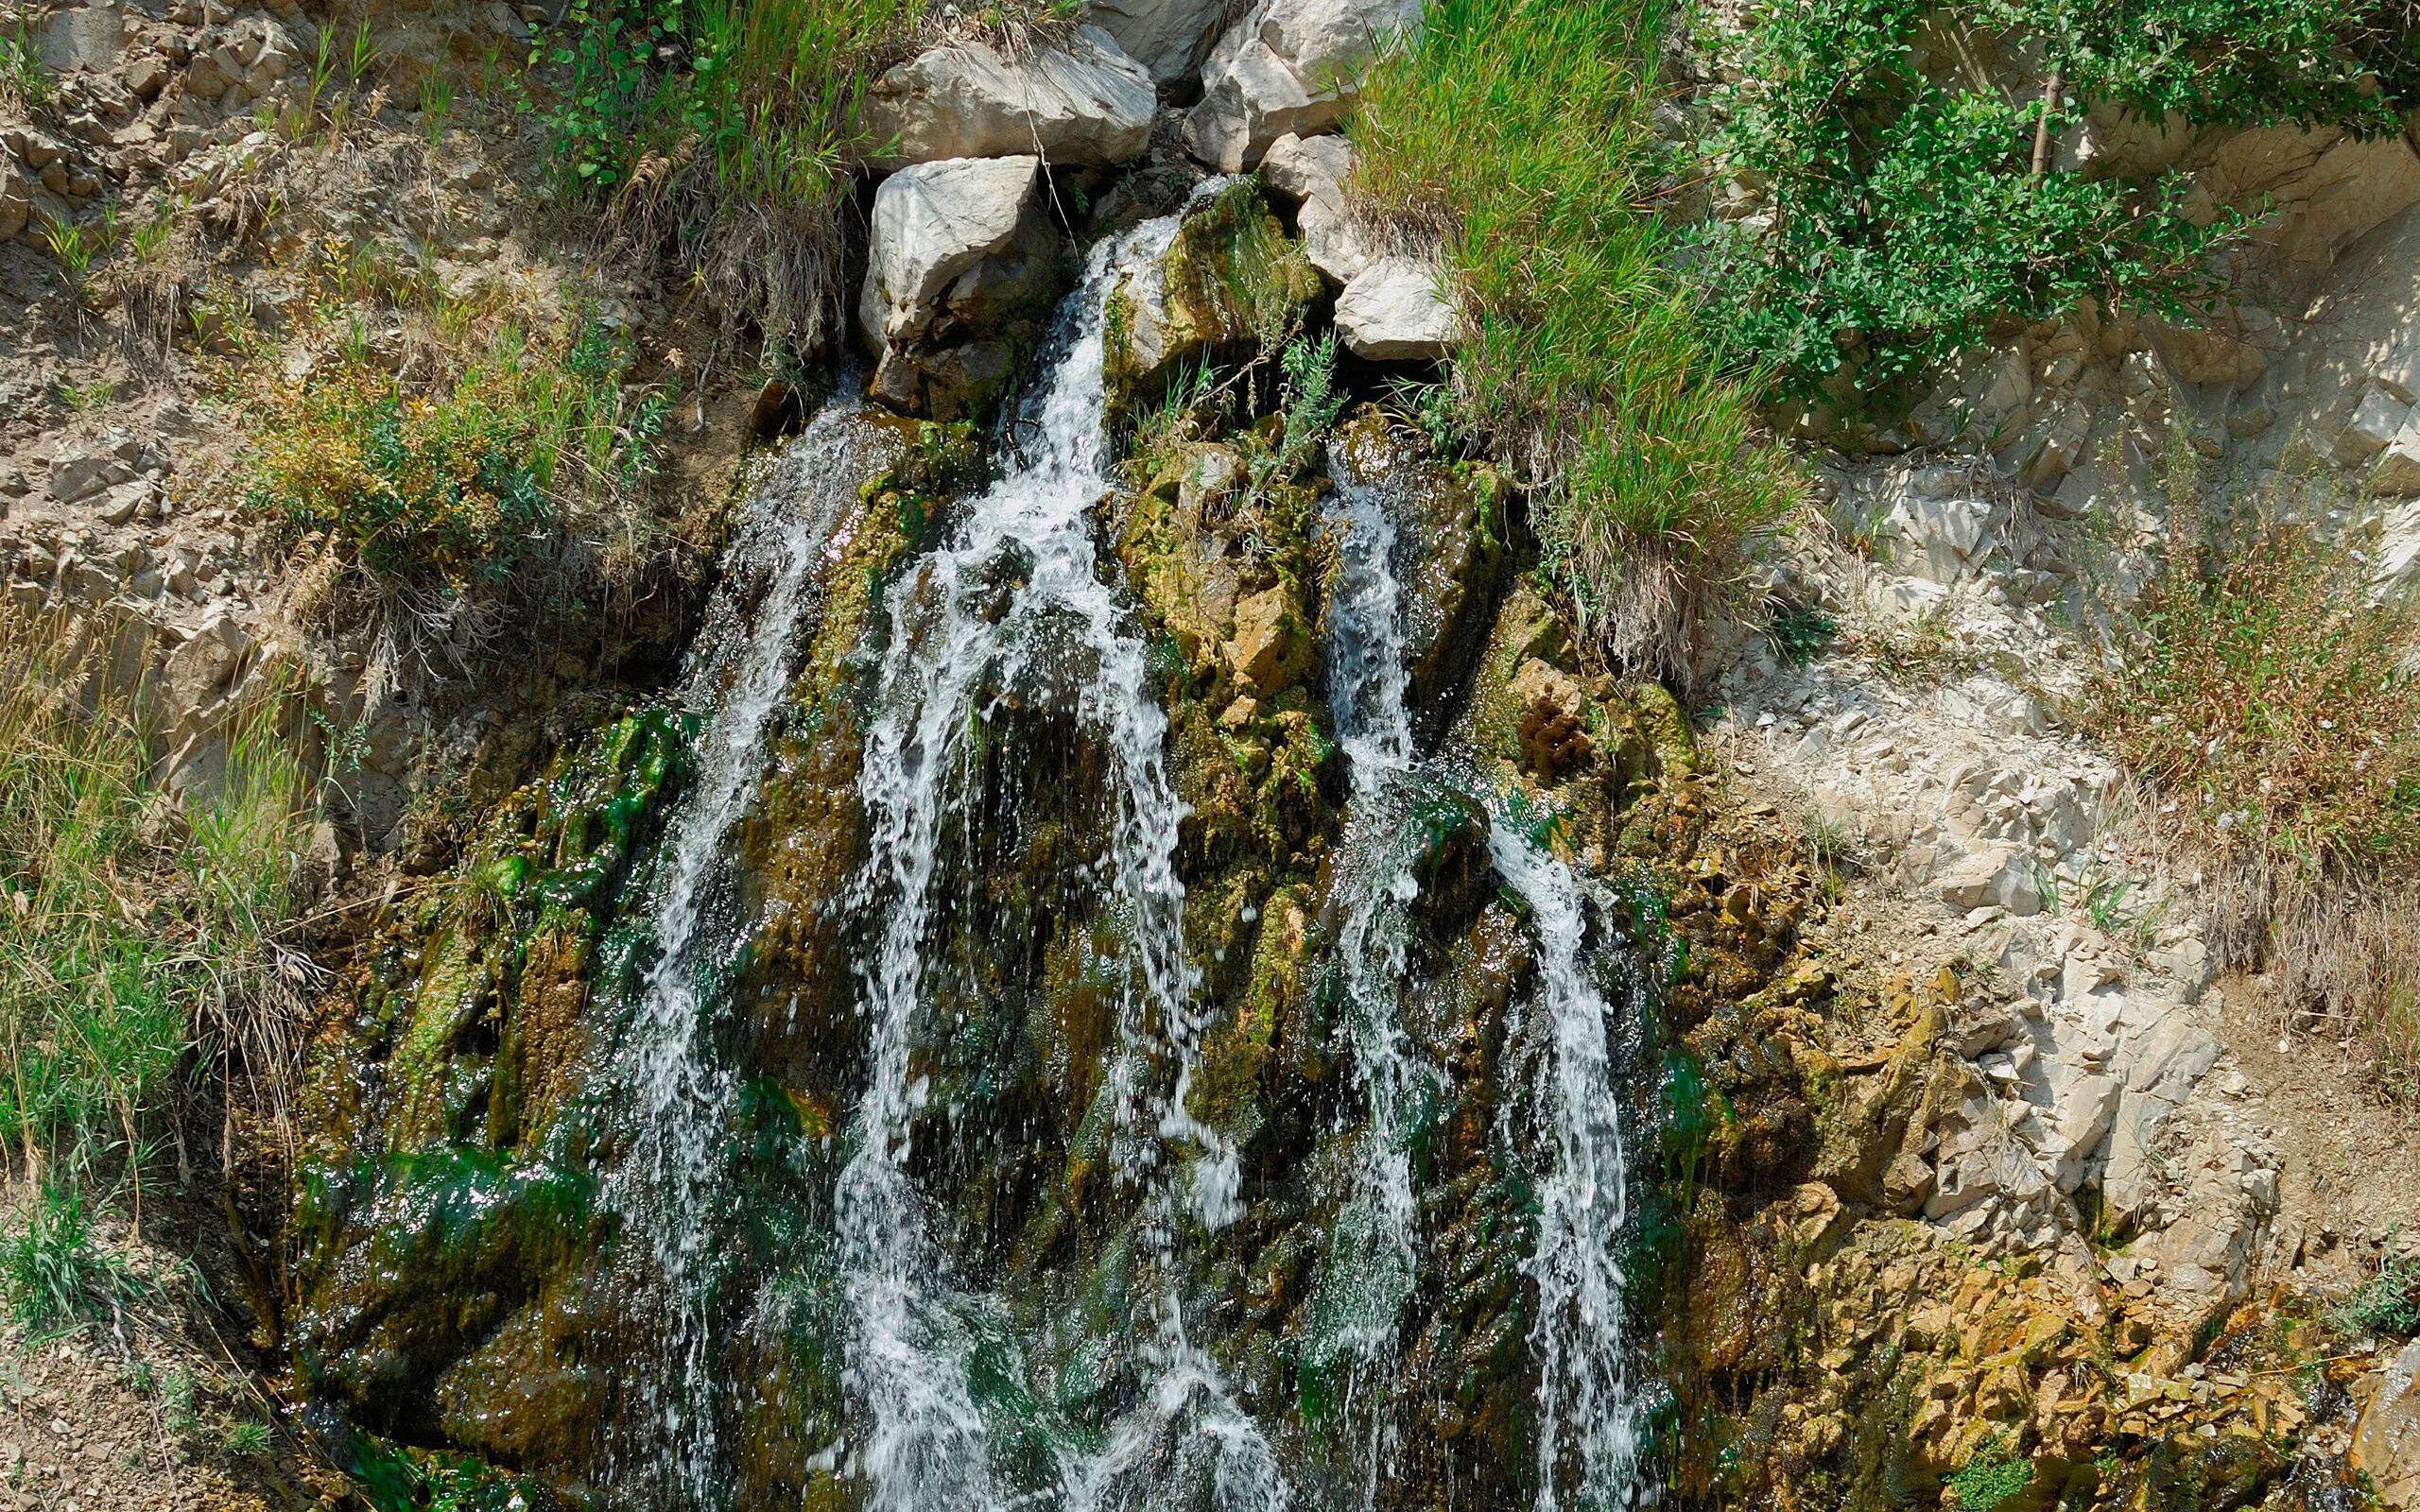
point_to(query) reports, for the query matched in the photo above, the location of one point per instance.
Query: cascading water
(1373, 1255)
(1586, 1432)
(670, 1186)
(952, 634)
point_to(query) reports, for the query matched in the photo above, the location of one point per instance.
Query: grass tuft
(52, 1273)
(138, 928)
(1516, 134)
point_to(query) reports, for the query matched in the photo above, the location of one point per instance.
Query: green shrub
(1905, 212)
(2388, 1302)
(1516, 132)
(54, 1275)
(456, 485)
(2276, 707)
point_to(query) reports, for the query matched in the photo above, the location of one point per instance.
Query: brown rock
(2386, 1440)
(1269, 644)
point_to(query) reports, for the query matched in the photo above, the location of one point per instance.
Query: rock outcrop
(961, 260)
(1083, 102)
(1288, 66)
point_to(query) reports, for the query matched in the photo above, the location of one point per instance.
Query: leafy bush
(1907, 202)
(453, 487)
(1515, 132)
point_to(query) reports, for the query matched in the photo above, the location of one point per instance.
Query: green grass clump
(723, 131)
(133, 929)
(1516, 132)
(52, 1273)
(459, 482)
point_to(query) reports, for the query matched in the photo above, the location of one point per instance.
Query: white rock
(1288, 66)
(1997, 876)
(80, 475)
(2374, 423)
(1084, 103)
(1395, 310)
(1168, 38)
(1309, 173)
(934, 223)
(2398, 470)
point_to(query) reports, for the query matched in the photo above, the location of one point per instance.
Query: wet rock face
(1230, 283)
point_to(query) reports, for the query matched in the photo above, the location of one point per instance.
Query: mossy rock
(1231, 284)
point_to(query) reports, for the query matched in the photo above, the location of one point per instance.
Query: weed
(140, 930)
(1991, 1477)
(436, 104)
(2103, 900)
(1922, 649)
(54, 1275)
(245, 1438)
(89, 398)
(177, 1410)
(1515, 133)
(1800, 630)
(22, 73)
(2388, 1302)
(2276, 707)
(455, 485)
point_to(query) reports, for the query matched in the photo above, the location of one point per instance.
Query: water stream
(952, 635)
(680, 1089)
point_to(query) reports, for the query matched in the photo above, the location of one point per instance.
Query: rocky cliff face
(1092, 980)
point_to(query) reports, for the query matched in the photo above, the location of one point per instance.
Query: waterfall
(953, 628)
(1373, 1256)
(670, 1185)
(1586, 1434)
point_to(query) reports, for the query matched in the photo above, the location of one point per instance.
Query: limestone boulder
(1307, 174)
(961, 260)
(1288, 66)
(1169, 37)
(1082, 102)
(1398, 310)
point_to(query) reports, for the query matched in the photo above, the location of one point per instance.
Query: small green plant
(1312, 398)
(245, 1438)
(436, 104)
(1799, 630)
(54, 1275)
(88, 398)
(2388, 1302)
(2103, 901)
(177, 1410)
(74, 246)
(22, 73)
(1991, 1477)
